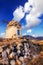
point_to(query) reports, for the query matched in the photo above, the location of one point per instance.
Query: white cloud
(38, 4)
(27, 7)
(2, 34)
(33, 13)
(29, 31)
(32, 18)
(18, 13)
(34, 35)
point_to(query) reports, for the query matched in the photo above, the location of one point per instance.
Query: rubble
(18, 54)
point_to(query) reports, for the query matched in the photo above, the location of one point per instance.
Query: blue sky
(28, 12)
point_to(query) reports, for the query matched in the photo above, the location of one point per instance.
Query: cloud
(27, 7)
(37, 9)
(29, 31)
(34, 35)
(32, 20)
(37, 4)
(2, 34)
(33, 8)
(18, 13)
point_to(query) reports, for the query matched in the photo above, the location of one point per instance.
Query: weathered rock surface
(18, 52)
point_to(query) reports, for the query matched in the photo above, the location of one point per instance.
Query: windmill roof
(13, 23)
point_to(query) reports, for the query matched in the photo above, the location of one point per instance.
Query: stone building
(13, 29)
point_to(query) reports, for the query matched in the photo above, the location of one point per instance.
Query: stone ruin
(18, 53)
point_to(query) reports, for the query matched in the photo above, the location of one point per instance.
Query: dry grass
(38, 60)
(40, 42)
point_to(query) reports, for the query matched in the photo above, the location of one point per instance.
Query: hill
(31, 37)
(39, 38)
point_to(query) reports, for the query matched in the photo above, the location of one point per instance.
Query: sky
(29, 13)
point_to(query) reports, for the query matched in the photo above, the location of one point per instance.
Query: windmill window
(18, 32)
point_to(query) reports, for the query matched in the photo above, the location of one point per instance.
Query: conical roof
(13, 23)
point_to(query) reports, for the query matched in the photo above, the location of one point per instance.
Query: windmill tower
(13, 29)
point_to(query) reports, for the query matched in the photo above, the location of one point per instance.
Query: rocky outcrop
(18, 52)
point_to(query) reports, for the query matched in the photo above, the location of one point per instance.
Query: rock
(18, 62)
(12, 62)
